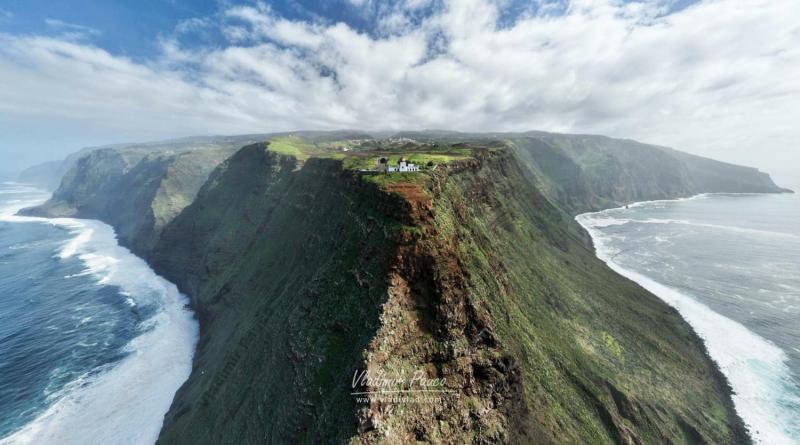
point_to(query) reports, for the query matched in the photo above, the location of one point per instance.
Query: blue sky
(128, 27)
(131, 28)
(716, 77)
(123, 27)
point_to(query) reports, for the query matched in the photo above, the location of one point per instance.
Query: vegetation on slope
(580, 173)
(136, 191)
(602, 360)
(585, 173)
(543, 342)
(303, 276)
(48, 175)
(365, 154)
(304, 270)
(286, 268)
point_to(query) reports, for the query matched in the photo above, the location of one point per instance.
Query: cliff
(305, 275)
(135, 191)
(305, 272)
(583, 173)
(287, 270)
(595, 172)
(48, 175)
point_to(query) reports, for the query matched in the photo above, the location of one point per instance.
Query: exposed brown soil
(429, 324)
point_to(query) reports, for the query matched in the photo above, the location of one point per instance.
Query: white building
(404, 166)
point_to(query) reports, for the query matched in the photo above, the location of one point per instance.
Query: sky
(719, 78)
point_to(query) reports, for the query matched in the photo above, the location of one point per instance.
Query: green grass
(367, 158)
(294, 274)
(385, 179)
(370, 162)
(423, 158)
(292, 266)
(356, 162)
(612, 344)
(576, 327)
(293, 146)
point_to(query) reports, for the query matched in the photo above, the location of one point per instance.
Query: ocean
(93, 344)
(730, 264)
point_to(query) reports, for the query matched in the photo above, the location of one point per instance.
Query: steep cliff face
(712, 176)
(305, 276)
(586, 173)
(599, 359)
(136, 191)
(48, 175)
(286, 267)
(473, 275)
(583, 172)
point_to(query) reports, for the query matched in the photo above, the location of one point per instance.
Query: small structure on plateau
(404, 166)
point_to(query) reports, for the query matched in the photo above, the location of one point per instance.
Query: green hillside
(287, 271)
(307, 264)
(302, 276)
(136, 191)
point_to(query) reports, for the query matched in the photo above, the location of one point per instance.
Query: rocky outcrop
(431, 328)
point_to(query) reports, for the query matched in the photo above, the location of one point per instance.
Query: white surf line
(126, 402)
(755, 368)
(686, 222)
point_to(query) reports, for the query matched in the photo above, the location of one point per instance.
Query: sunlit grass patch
(293, 146)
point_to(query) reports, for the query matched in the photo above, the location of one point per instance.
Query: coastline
(700, 317)
(124, 402)
(719, 377)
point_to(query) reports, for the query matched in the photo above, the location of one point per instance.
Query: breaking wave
(756, 369)
(124, 402)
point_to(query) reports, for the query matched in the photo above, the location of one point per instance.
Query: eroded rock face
(430, 326)
(487, 293)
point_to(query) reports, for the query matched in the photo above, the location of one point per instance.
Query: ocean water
(93, 344)
(730, 264)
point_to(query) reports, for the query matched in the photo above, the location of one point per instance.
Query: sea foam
(125, 402)
(756, 369)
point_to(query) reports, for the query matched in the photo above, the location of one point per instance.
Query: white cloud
(193, 25)
(71, 31)
(258, 22)
(416, 4)
(721, 78)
